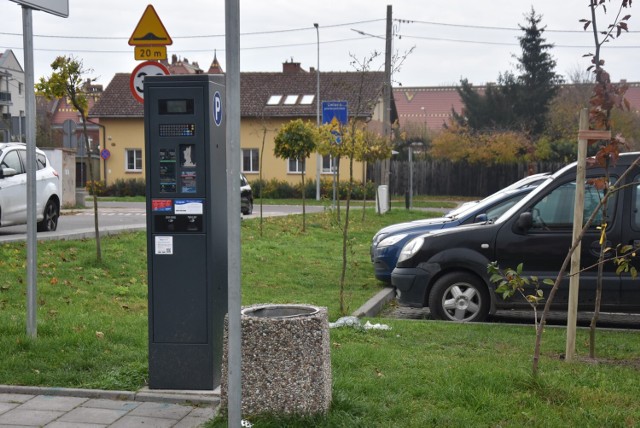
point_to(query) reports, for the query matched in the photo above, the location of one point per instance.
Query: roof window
(307, 99)
(291, 99)
(274, 100)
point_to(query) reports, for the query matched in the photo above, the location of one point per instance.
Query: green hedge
(277, 189)
(271, 189)
(120, 187)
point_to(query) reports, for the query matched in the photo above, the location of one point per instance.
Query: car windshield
(548, 180)
(472, 207)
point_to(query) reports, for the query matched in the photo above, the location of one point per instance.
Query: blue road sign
(337, 109)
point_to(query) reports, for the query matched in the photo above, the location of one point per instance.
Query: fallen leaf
(99, 335)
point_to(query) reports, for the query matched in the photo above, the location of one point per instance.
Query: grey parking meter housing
(185, 165)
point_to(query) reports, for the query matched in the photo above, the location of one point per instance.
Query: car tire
(249, 209)
(459, 297)
(50, 217)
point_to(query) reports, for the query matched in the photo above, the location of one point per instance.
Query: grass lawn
(92, 318)
(439, 374)
(92, 333)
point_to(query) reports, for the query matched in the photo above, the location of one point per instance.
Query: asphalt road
(115, 217)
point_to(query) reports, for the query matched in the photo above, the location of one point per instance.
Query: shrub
(99, 186)
(120, 187)
(278, 189)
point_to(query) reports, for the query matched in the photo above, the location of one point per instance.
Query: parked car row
(13, 188)
(445, 269)
(388, 242)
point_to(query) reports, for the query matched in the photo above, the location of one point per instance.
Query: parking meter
(185, 160)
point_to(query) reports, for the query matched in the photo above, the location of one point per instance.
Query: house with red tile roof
(52, 115)
(431, 106)
(268, 100)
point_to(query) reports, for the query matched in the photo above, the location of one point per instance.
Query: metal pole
(232, 42)
(386, 100)
(30, 132)
(410, 176)
(318, 155)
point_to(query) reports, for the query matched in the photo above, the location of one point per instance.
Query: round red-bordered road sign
(147, 68)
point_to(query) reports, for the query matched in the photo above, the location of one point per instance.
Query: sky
(442, 41)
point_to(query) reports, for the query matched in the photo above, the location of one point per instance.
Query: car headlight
(411, 248)
(378, 237)
(392, 240)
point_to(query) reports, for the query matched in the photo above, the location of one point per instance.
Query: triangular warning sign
(150, 31)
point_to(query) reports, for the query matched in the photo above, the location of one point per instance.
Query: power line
(442, 39)
(201, 36)
(187, 50)
(486, 27)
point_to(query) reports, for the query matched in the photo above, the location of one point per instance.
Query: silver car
(13, 188)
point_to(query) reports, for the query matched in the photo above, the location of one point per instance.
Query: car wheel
(250, 208)
(459, 297)
(51, 214)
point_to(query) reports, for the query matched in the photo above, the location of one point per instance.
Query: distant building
(268, 100)
(12, 100)
(430, 107)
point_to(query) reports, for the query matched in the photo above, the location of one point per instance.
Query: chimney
(291, 67)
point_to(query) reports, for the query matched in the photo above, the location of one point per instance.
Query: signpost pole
(232, 32)
(30, 113)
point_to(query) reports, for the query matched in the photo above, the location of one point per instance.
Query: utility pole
(386, 96)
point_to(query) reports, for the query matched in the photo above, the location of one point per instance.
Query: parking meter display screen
(184, 106)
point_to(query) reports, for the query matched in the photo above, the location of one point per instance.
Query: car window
(41, 161)
(499, 209)
(11, 160)
(555, 211)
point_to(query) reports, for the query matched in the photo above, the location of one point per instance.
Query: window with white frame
(295, 166)
(250, 160)
(134, 160)
(328, 164)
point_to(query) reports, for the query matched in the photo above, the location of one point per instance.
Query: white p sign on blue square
(217, 108)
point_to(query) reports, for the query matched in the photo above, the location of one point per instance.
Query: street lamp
(318, 155)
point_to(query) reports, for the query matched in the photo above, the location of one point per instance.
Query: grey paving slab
(161, 410)
(76, 408)
(5, 407)
(191, 422)
(143, 421)
(51, 402)
(56, 424)
(7, 397)
(29, 417)
(204, 412)
(93, 416)
(102, 403)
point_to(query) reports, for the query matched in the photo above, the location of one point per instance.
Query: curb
(373, 306)
(143, 395)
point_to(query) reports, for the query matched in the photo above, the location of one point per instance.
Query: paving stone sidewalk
(63, 411)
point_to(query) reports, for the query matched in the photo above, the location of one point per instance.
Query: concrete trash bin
(286, 362)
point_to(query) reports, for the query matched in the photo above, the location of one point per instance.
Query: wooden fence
(438, 177)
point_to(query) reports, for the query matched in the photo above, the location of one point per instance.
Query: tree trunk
(93, 184)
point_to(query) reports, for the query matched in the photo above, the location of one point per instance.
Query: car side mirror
(7, 172)
(525, 221)
(481, 218)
